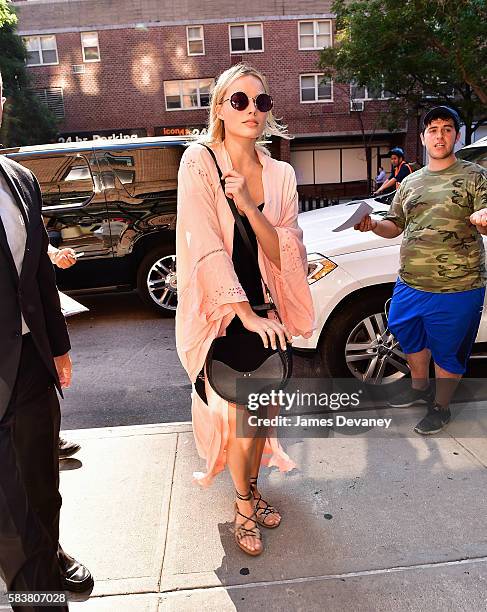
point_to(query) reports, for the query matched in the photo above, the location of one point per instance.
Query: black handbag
(243, 356)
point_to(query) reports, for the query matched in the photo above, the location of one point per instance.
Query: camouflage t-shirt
(441, 250)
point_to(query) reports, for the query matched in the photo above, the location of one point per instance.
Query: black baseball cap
(441, 112)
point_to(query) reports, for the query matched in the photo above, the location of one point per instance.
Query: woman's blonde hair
(216, 127)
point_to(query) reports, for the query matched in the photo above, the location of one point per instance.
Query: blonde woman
(218, 283)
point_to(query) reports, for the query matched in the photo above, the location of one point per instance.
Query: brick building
(145, 67)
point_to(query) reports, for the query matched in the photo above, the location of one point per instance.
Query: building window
(314, 34)
(342, 164)
(187, 95)
(246, 38)
(89, 44)
(41, 50)
(371, 92)
(358, 92)
(315, 88)
(439, 90)
(53, 99)
(196, 40)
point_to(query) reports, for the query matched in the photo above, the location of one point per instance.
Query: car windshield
(477, 155)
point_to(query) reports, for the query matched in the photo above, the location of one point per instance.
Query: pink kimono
(208, 285)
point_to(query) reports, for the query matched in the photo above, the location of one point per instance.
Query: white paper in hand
(359, 213)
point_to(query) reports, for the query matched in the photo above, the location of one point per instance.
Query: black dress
(249, 277)
(248, 274)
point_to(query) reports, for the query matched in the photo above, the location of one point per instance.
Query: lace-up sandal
(241, 531)
(262, 508)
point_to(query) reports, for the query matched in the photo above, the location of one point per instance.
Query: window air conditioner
(357, 105)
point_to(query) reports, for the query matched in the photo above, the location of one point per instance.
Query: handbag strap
(244, 234)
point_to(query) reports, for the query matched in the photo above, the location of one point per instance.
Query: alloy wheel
(162, 282)
(373, 354)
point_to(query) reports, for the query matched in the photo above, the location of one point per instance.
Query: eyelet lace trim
(194, 167)
(290, 251)
(219, 295)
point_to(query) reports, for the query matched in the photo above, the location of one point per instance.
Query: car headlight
(318, 267)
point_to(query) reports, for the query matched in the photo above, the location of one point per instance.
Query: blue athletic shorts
(445, 323)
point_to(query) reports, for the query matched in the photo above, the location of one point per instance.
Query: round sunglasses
(240, 100)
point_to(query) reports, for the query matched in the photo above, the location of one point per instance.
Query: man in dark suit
(34, 361)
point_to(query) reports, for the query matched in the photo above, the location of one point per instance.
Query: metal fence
(306, 204)
(309, 203)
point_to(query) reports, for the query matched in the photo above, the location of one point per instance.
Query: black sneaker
(67, 449)
(436, 418)
(411, 396)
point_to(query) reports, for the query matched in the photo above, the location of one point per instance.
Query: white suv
(351, 276)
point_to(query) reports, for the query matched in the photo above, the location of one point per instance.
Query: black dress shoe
(67, 449)
(75, 576)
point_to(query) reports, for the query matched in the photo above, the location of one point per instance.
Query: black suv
(114, 202)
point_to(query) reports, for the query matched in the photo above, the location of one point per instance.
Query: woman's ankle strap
(246, 497)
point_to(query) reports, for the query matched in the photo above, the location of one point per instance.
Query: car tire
(156, 281)
(356, 342)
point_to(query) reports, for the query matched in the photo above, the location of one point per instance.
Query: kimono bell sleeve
(289, 285)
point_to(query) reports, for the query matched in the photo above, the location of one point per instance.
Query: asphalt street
(125, 366)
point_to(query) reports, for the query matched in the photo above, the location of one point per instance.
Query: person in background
(400, 169)
(64, 258)
(380, 178)
(437, 301)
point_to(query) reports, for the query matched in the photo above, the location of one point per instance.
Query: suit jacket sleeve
(55, 322)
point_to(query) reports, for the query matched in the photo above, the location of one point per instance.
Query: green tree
(421, 51)
(25, 119)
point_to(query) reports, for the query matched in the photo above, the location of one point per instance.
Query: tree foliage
(25, 119)
(422, 51)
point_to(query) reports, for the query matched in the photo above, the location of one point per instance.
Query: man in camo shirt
(437, 301)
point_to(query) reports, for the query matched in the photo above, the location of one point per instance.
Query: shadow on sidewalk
(361, 504)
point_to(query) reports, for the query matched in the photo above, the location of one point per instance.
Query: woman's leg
(270, 517)
(257, 456)
(240, 453)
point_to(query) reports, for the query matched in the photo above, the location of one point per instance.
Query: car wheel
(157, 283)
(357, 343)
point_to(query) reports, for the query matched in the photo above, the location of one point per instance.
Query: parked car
(351, 275)
(114, 202)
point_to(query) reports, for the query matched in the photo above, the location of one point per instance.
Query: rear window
(145, 172)
(64, 180)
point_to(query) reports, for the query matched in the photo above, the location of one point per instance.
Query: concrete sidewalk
(370, 522)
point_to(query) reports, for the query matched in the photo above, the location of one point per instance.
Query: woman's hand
(268, 329)
(236, 188)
